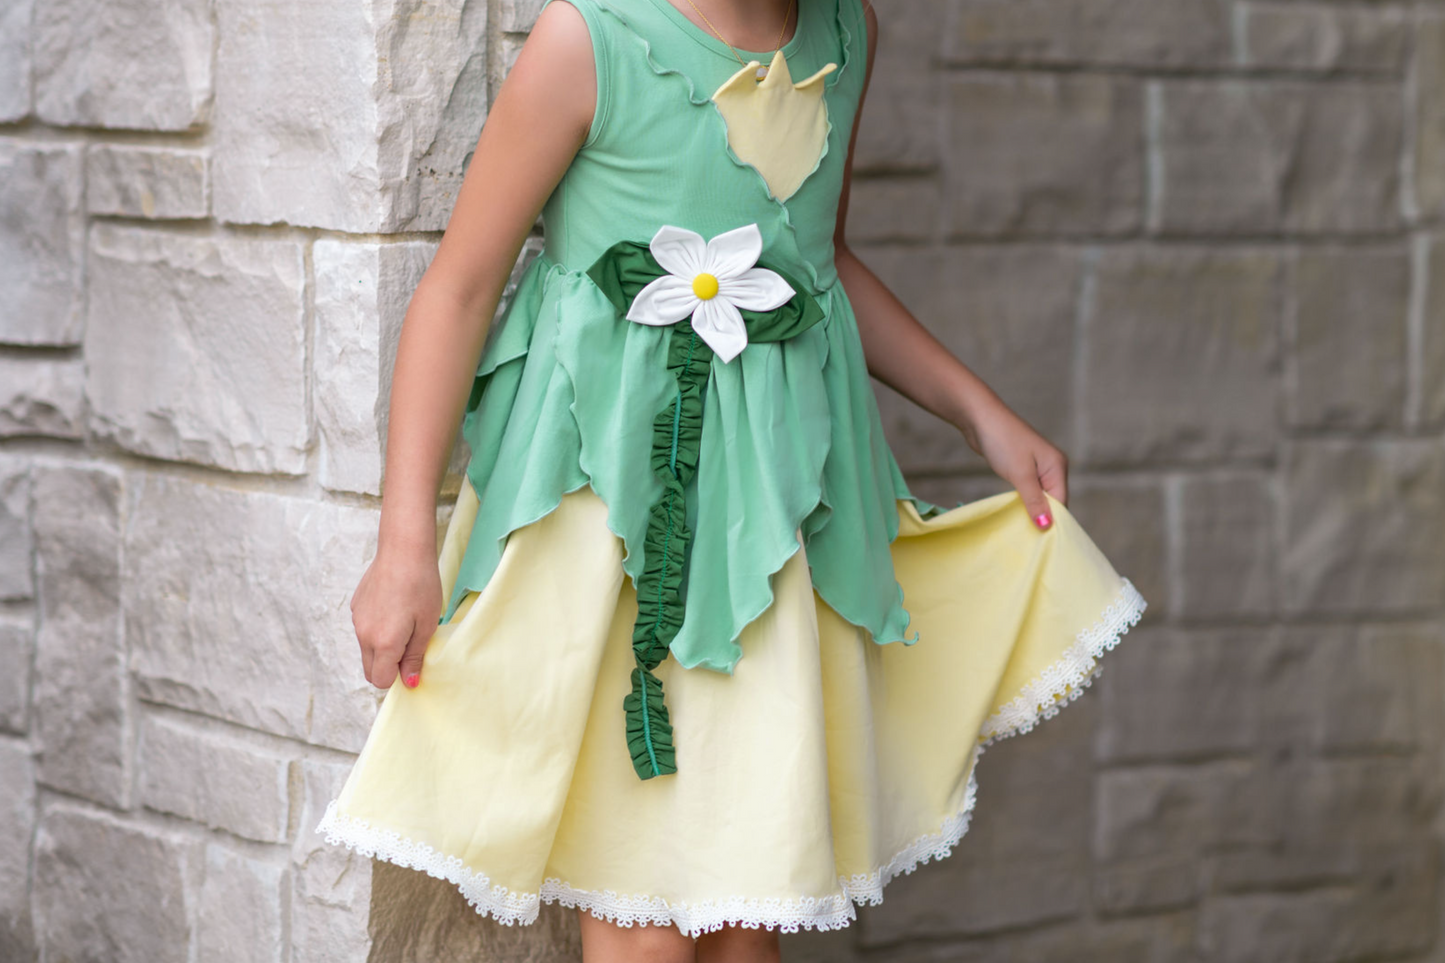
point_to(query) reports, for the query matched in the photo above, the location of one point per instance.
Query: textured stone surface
(42, 240)
(1244, 156)
(100, 63)
(17, 829)
(1008, 312)
(395, 95)
(517, 15)
(1348, 374)
(17, 649)
(1035, 153)
(1388, 914)
(1173, 696)
(42, 396)
(17, 544)
(198, 554)
(151, 182)
(1432, 334)
(362, 293)
(900, 127)
(81, 697)
(1361, 526)
(1135, 32)
(1325, 37)
(107, 889)
(1330, 821)
(197, 348)
(1127, 521)
(1227, 547)
(15, 84)
(214, 779)
(1429, 85)
(1164, 329)
(330, 885)
(240, 909)
(893, 209)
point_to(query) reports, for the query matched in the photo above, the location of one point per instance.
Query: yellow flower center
(705, 286)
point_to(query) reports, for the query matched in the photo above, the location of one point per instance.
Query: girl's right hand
(395, 611)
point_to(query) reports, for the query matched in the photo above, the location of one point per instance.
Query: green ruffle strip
(620, 273)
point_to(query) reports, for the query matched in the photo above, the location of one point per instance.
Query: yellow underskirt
(825, 765)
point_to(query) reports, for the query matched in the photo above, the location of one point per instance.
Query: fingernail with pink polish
(1043, 521)
(412, 680)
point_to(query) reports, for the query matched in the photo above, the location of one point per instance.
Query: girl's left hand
(1022, 457)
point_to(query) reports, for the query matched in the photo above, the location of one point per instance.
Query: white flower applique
(709, 281)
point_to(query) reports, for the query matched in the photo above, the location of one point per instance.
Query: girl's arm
(536, 124)
(904, 355)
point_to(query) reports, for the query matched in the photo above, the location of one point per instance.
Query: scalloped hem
(1056, 687)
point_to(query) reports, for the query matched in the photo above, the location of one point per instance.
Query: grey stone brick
(893, 209)
(330, 885)
(1432, 334)
(103, 63)
(1007, 313)
(17, 829)
(517, 15)
(151, 182)
(1330, 821)
(362, 293)
(17, 541)
(1164, 330)
(89, 904)
(900, 125)
(1043, 153)
(240, 919)
(196, 348)
(213, 779)
(17, 649)
(1169, 695)
(395, 93)
(1361, 526)
(81, 697)
(1390, 914)
(1349, 374)
(15, 59)
(1227, 547)
(42, 397)
(1325, 37)
(198, 554)
(1240, 156)
(1429, 85)
(1176, 811)
(42, 243)
(1126, 519)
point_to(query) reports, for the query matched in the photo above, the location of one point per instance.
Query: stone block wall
(1199, 243)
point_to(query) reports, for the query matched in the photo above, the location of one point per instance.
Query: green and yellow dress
(704, 658)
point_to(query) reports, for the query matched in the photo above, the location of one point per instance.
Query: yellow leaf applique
(775, 125)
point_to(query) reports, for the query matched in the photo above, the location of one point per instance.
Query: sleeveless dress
(704, 658)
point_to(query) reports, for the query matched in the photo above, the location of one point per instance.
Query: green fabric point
(621, 272)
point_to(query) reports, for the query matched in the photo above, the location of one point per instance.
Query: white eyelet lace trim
(1065, 680)
(1042, 699)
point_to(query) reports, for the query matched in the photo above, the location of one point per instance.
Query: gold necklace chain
(762, 71)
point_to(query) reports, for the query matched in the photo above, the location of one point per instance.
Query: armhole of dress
(600, 63)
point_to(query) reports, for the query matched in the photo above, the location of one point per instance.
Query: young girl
(694, 656)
